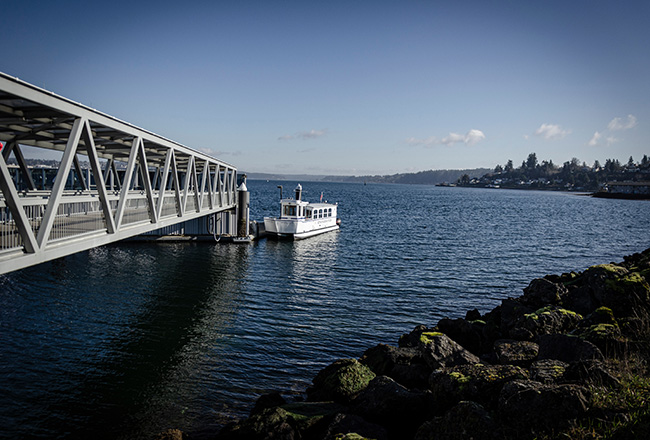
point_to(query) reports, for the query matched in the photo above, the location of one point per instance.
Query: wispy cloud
(616, 124)
(622, 124)
(304, 135)
(551, 132)
(472, 137)
(594, 139)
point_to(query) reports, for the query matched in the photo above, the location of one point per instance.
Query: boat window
(289, 210)
(329, 212)
(308, 213)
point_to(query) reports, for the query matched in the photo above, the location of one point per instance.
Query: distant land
(431, 177)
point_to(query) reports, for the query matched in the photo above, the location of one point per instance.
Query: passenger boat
(299, 219)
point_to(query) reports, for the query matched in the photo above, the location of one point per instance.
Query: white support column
(124, 191)
(177, 189)
(204, 176)
(188, 181)
(100, 183)
(59, 183)
(15, 206)
(144, 167)
(163, 181)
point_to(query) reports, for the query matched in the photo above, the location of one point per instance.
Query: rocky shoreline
(567, 359)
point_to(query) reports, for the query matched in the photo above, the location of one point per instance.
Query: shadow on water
(159, 323)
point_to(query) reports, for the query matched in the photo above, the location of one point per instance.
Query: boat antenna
(280, 186)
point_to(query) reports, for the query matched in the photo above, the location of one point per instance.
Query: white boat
(299, 219)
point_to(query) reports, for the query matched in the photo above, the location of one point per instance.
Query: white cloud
(453, 138)
(311, 134)
(622, 124)
(594, 139)
(472, 137)
(551, 132)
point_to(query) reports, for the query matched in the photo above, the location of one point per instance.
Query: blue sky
(352, 87)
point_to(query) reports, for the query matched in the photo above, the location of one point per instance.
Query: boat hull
(292, 229)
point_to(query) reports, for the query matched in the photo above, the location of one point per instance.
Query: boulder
(607, 337)
(520, 353)
(171, 434)
(612, 286)
(548, 371)
(349, 426)
(590, 372)
(394, 407)
(412, 339)
(542, 292)
(405, 365)
(478, 382)
(266, 401)
(467, 420)
(547, 320)
(286, 422)
(566, 348)
(602, 315)
(527, 405)
(476, 336)
(341, 381)
(440, 351)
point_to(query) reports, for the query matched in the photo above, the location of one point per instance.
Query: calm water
(127, 340)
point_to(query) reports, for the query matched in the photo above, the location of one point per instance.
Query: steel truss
(159, 183)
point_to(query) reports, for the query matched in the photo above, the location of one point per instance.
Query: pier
(113, 181)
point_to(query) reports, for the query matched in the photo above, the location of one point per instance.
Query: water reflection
(132, 351)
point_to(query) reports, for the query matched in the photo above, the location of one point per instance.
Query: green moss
(459, 377)
(546, 311)
(632, 281)
(350, 436)
(612, 269)
(427, 337)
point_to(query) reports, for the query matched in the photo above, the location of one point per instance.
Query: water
(127, 340)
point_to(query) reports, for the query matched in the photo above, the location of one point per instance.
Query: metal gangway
(134, 181)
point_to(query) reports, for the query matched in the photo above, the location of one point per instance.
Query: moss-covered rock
(479, 383)
(341, 381)
(520, 353)
(286, 421)
(441, 351)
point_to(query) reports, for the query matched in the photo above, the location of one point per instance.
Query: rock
(527, 405)
(590, 372)
(472, 315)
(341, 381)
(475, 336)
(520, 353)
(467, 420)
(566, 348)
(607, 337)
(547, 320)
(440, 351)
(541, 292)
(394, 407)
(548, 371)
(477, 382)
(171, 434)
(405, 365)
(346, 426)
(266, 401)
(413, 339)
(511, 313)
(602, 315)
(611, 286)
(286, 422)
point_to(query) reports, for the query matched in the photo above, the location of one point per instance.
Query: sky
(352, 87)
